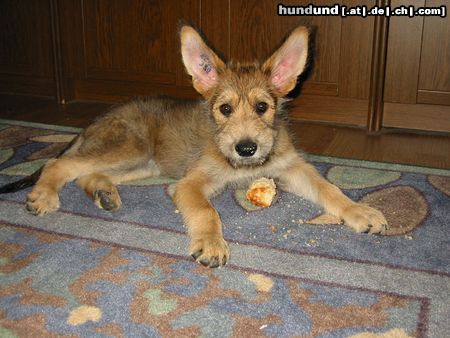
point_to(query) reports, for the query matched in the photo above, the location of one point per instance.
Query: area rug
(293, 271)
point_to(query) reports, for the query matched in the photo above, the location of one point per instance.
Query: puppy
(236, 134)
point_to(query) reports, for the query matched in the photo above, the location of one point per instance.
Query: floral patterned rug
(294, 271)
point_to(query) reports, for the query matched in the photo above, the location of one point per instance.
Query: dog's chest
(243, 176)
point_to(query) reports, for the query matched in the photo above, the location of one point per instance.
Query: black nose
(246, 148)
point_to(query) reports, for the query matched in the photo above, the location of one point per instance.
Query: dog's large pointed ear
(289, 61)
(200, 61)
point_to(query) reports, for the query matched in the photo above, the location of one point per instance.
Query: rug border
(423, 316)
(310, 157)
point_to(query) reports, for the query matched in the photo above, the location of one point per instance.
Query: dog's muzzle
(246, 148)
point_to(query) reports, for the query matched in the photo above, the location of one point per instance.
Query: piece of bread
(262, 192)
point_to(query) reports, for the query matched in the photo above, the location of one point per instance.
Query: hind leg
(117, 142)
(102, 190)
(44, 196)
(101, 187)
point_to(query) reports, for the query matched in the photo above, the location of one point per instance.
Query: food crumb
(409, 237)
(312, 242)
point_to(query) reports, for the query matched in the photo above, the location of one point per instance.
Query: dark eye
(261, 107)
(225, 109)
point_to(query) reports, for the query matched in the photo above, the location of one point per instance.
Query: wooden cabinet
(113, 49)
(417, 87)
(26, 48)
(338, 87)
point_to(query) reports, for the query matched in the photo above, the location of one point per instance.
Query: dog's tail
(23, 183)
(30, 180)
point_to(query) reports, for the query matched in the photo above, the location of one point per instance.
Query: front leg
(204, 226)
(303, 179)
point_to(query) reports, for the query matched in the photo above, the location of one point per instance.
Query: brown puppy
(236, 134)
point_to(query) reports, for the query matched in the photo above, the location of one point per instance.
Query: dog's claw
(105, 199)
(213, 262)
(365, 219)
(31, 209)
(41, 201)
(381, 230)
(204, 262)
(213, 252)
(197, 254)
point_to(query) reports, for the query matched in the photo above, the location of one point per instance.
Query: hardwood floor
(44, 110)
(391, 145)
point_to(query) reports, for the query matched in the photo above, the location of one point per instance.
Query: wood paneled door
(118, 48)
(417, 87)
(131, 48)
(26, 51)
(338, 87)
(110, 50)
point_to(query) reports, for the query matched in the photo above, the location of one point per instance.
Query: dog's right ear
(200, 61)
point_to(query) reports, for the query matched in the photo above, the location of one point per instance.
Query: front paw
(41, 201)
(210, 251)
(362, 218)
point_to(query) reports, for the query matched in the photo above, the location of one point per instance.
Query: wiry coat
(236, 134)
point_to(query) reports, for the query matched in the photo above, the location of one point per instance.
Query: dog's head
(245, 99)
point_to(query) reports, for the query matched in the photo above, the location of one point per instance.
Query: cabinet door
(338, 88)
(26, 59)
(417, 88)
(119, 48)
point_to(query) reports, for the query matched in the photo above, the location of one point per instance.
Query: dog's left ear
(288, 62)
(200, 61)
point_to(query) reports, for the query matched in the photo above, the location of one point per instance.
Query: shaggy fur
(235, 135)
